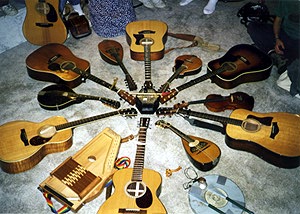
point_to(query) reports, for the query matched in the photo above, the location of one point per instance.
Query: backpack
(254, 12)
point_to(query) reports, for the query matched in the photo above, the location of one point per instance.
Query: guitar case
(109, 18)
(78, 25)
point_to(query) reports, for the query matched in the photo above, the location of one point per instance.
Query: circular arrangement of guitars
(242, 63)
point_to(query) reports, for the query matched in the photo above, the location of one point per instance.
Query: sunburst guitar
(154, 29)
(43, 23)
(136, 188)
(203, 153)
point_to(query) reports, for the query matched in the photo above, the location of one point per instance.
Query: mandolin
(153, 29)
(239, 61)
(24, 144)
(203, 153)
(217, 102)
(136, 188)
(112, 52)
(147, 100)
(56, 63)
(43, 23)
(56, 97)
(252, 65)
(185, 65)
(272, 137)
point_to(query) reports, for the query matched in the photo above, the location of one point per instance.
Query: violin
(218, 103)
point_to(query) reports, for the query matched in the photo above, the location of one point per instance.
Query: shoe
(9, 10)
(297, 96)
(158, 3)
(147, 3)
(284, 81)
(185, 2)
(279, 61)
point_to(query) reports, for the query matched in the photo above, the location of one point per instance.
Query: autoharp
(82, 177)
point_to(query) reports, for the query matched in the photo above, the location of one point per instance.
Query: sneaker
(297, 96)
(185, 2)
(9, 10)
(284, 81)
(147, 3)
(159, 3)
(279, 61)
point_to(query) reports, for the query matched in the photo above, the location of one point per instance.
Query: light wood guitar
(203, 153)
(136, 188)
(24, 144)
(274, 137)
(154, 29)
(43, 23)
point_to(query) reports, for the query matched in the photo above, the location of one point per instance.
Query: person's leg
(3, 2)
(210, 7)
(76, 6)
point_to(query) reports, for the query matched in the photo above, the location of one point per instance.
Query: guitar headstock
(181, 105)
(144, 122)
(166, 96)
(111, 103)
(165, 111)
(128, 112)
(162, 124)
(127, 97)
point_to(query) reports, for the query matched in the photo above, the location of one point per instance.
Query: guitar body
(105, 46)
(277, 141)
(251, 65)
(206, 156)
(17, 155)
(46, 62)
(191, 63)
(120, 202)
(43, 23)
(137, 30)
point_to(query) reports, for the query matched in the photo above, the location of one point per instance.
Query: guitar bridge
(132, 211)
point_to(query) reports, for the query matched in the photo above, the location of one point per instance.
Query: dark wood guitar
(239, 61)
(185, 65)
(24, 144)
(203, 153)
(136, 188)
(273, 137)
(112, 52)
(56, 63)
(147, 100)
(217, 102)
(56, 97)
(43, 23)
(138, 30)
(252, 65)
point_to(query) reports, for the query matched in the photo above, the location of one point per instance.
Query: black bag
(254, 12)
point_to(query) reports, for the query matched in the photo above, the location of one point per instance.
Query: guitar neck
(223, 120)
(140, 152)
(166, 85)
(147, 62)
(180, 134)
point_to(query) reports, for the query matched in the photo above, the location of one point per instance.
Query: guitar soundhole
(66, 66)
(43, 8)
(251, 125)
(135, 189)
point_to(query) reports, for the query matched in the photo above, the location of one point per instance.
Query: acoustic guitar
(242, 63)
(185, 65)
(136, 188)
(203, 153)
(43, 23)
(112, 52)
(273, 137)
(252, 65)
(56, 63)
(138, 30)
(56, 97)
(24, 144)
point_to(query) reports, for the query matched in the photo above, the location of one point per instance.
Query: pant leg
(262, 35)
(294, 75)
(3, 2)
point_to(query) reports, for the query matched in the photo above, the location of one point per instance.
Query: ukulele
(217, 102)
(56, 63)
(112, 52)
(135, 187)
(24, 143)
(252, 65)
(43, 23)
(239, 61)
(147, 100)
(56, 97)
(138, 30)
(87, 171)
(185, 65)
(203, 154)
(272, 137)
